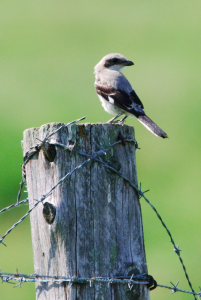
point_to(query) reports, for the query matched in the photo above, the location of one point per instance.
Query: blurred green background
(47, 55)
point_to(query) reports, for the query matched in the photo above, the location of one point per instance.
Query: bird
(117, 95)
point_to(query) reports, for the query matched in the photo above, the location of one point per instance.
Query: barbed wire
(7, 277)
(142, 279)
(34, 149)
(133, 279)
(14, 205)
(43, 197)
(176, 248)
(141, 194)
(176, 289)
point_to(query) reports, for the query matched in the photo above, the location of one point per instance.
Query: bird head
(114, 61)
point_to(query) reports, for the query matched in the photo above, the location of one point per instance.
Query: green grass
(47, 55)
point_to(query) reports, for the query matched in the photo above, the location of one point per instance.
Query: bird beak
(128, 63)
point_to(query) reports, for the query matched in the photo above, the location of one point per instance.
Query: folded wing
(128, 102)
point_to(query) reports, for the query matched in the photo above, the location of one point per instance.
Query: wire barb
(21, 278)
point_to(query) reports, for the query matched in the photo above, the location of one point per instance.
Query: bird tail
(150, 125)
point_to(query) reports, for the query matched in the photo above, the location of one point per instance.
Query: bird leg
(123, 119)
(112, 120)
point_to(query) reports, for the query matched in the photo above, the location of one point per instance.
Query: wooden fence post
(97, 230)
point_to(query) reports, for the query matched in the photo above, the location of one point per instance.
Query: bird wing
(128, 102)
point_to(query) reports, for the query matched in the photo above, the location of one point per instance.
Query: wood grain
(98, 226)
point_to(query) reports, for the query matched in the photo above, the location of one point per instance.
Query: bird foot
(113, 119)
(114, 122)
(122, 120)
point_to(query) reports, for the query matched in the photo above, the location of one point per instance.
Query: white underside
(110, 108)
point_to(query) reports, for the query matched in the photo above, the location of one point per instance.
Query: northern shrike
(117, 95)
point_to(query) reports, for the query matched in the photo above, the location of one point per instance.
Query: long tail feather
(150, 125)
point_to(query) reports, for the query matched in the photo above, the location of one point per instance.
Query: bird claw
(121, 122)
(114, 122)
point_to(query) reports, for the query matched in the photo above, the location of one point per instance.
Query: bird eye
(114, 60)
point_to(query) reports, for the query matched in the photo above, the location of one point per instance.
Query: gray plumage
(116, 93)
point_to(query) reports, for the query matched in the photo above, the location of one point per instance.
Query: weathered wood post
(97, 230)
